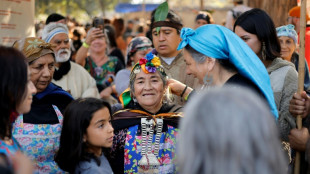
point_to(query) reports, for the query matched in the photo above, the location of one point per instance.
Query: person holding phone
(98, 63)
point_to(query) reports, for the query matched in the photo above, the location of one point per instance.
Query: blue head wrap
(287, 30)
(218, 42)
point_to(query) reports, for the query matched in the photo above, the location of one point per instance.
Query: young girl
(86, 131)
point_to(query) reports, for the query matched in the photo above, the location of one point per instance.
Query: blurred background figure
(94, 57)
(137, 49)
(119, 26)
(294, 18)
(203, 18)
(55, 17)
(238, 139)
(129, 28)
(234, 13)
(288, 41)
(113, 49)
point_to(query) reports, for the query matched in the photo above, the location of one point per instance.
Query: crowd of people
(164, 98)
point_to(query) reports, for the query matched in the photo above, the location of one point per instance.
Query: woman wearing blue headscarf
(216, 56)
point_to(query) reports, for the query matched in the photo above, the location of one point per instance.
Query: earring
(263, 51)
(134, 100)
(207, 80)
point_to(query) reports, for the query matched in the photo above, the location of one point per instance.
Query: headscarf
(137, 43)
(287, 30)
(52, 29)
(218, 42)
(33, 48)
(150, 64)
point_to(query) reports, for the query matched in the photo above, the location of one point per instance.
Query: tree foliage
(74, 8)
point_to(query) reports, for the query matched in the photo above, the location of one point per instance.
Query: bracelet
(186, 98)
(85, 45)
(183, 91)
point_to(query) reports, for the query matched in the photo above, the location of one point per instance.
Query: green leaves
(161, 13)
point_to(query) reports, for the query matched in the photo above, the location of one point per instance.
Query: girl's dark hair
(257, 21)
(77, 117)
(111, 35)
(13, 86)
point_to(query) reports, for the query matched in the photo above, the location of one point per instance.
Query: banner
(16, 20)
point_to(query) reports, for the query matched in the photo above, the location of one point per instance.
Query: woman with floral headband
(146, 130)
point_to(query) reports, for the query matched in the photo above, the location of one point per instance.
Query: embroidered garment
(126, 152)
(40, 142)
(166, 155)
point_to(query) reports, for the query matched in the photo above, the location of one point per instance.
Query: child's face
(100, 131)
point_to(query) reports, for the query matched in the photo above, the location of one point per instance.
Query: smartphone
(98, 23)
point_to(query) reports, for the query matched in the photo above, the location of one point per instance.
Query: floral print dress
(166, 155)
(40, 142)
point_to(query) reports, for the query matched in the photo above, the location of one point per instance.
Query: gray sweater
(91, 167)
(284, 80)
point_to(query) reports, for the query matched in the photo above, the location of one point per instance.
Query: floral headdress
(149, 64)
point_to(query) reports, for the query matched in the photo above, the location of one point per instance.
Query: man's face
(166, 41)
(62, 50)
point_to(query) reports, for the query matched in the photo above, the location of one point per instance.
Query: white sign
(16, 20)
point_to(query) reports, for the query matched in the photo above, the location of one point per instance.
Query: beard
(63, 55)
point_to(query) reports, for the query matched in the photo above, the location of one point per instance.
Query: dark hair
(257, 21)
(172, 17)
(54, 17)
(111, 35)
(77, 118)
(13, 85)
(119, 26)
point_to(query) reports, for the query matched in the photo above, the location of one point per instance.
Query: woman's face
(100, 131)
(149, 90)
(25, 104)
(287, 47)
(41, 71)
(251, 39)
(194, 68)
(98, 45)
(140, 54)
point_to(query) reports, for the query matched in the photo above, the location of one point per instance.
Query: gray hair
(133, 79)
(197, 56)
(201, 58)
(241, 138)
